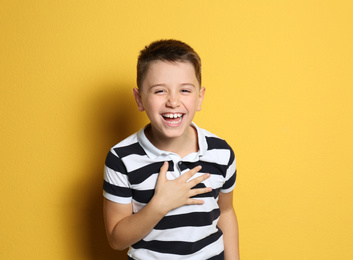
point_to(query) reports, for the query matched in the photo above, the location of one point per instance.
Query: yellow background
(279, 86)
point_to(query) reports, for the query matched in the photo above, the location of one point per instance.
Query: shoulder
(213, 141)
(216, 149)
(128, 146)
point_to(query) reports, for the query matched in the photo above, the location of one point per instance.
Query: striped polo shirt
(188, 232)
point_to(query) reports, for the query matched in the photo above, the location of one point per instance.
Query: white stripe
(230, 171)
(209, 205)
(135, 161)
(120, 200)
(214, 181)
(115, 178)
(218, 156)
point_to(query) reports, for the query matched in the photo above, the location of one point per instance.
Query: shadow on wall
(112, 117)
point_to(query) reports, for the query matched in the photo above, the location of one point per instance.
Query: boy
(168, 188)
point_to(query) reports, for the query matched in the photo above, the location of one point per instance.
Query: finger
(195, 192)
(194, 202)
(186, 176)
(198, 180)
(163, 172)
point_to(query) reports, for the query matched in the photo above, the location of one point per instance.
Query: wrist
(157, 206)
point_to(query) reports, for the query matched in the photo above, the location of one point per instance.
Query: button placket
(181, 167)
(178, 167)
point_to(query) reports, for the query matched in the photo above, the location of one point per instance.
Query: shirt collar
(153, 152)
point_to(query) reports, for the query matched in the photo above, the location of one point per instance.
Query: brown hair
(167, 50)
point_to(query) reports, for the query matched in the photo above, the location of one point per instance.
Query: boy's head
(167, 50)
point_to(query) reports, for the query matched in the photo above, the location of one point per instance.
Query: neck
(182, 145)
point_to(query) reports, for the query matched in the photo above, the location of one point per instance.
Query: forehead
(165, 72)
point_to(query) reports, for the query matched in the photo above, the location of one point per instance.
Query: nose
(173, 100)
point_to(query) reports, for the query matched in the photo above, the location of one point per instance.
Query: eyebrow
(187, 84)
(165, 85)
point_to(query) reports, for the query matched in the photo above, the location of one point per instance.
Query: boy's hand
(171, 194)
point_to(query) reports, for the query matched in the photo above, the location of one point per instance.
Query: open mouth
(173, 118)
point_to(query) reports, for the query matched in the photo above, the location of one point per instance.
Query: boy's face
(170, 95)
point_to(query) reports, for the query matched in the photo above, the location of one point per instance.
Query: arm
(124, 228)
(229, 225)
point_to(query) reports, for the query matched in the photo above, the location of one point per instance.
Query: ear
(138, 99)
(201, 96)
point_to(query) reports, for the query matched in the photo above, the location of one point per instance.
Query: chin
(174, 132)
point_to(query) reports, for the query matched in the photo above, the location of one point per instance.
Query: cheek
(195, 104)
(152, 106)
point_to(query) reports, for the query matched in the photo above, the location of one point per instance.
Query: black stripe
(141, 174)
(142, 196)
(115, 163)
(213, 193)
(231, 158)
(116, 190)
(230, 182)
(194, 219)
(134, 148)
(216, 143)
(212, 168)
(177, 247)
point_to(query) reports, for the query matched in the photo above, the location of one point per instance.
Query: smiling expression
(170, 95)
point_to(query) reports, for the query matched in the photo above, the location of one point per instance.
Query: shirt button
(180, 163)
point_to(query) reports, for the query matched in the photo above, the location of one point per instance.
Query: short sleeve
(116, 185)
(231, 173)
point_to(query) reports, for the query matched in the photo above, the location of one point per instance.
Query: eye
(159, 91)
(186, 90)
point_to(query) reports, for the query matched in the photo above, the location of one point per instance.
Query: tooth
(176, 115)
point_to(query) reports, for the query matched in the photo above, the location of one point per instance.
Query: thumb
(162, 177)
